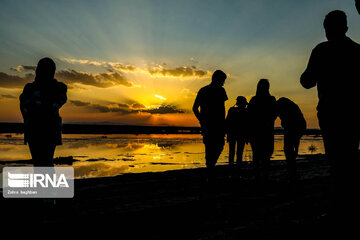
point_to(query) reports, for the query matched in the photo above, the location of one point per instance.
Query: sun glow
(161, 97)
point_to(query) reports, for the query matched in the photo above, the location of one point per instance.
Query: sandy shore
(180, 204)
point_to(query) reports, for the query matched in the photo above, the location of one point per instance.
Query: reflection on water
(110, 155)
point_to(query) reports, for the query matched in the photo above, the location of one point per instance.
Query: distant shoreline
(72, 128)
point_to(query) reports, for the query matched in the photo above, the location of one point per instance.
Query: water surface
(114, 154)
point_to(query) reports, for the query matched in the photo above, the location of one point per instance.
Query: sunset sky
(142, 62)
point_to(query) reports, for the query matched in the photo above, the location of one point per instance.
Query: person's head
(218, 78)
(285, 106)
(335, 25)
(263, 87)
(241, 102)
(283, 103)
(45, 69)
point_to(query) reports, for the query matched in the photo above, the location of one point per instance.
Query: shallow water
(111, 155)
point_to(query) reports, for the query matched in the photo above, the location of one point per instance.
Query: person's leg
(268, 149)
(297, 144)
(34, 151)
(290, 154)
(232, 144)
(210, 161)
(240, 151)
(46, 155)
(334, 143)
(256, 158)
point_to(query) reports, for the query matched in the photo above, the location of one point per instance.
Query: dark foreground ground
(181, 205)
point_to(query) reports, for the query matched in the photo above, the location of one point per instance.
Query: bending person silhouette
(262, 114)
(236, 125)
(334, 68)
(211, 101)
(294, 124)
(40, 102)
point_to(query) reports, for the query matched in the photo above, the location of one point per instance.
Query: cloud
(2, 96)
(114, 107)
(124, 68)
(157, 71)
(110, 66)
(164, 109)
(21, 68)
(79, 103)
(124, 109)
(11, 81)
(179, 72)
(82, 61)
(137, 105)
(101, 80)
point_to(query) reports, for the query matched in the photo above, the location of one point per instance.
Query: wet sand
(180, 204)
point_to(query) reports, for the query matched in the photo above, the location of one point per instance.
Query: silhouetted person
(357, 4)
(262, 114)
(236, 126)
(334, 68)
(211, 101)
(294, 124)
(39, 104)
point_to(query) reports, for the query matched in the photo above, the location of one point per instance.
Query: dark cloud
(179, 72)
(164, 109)
(29, 68)
(116, 107)
(122, 67)
(21, 68)
(7, 96)
(137, 105)
(126, 108)
(102, 80)
(79, 103)
(11, 81)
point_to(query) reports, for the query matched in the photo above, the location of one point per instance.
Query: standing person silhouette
(40, 102)
(294, 124)
(334, 68)
(262, 115)
(211, 101)
(236, 124)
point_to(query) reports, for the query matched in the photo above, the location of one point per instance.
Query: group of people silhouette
(333, 67)
(251, 122)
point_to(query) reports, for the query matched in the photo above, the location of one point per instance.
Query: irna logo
(19, 180)
(38, 182)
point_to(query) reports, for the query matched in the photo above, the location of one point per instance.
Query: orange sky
(142, 62)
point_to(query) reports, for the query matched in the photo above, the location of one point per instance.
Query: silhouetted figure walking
(294, 124)
(211, 100)
(236, 129)
(262, 114)
(334, 68)
(39, 104)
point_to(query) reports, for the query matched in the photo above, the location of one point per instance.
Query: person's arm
(228, 120)
(26, 100)
(196, 108)
(275, 108)
(61, 98)
(310, 76)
